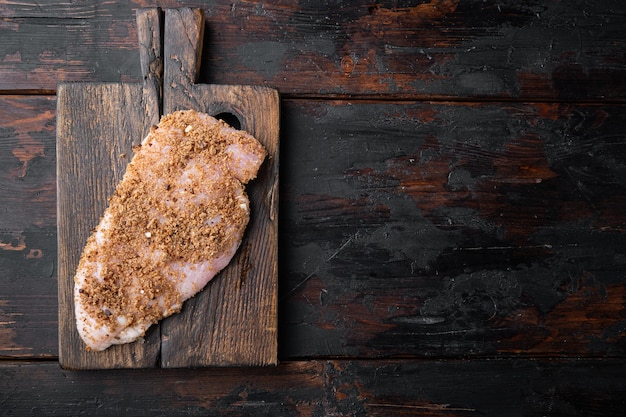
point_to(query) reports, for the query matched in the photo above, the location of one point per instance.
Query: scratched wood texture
(326, 388)
(451, 237)
(447, 48)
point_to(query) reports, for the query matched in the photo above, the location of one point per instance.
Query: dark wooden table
(452, 206)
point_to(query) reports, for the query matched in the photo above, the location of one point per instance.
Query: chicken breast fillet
(175, 220)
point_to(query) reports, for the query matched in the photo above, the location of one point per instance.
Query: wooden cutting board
(233, 322)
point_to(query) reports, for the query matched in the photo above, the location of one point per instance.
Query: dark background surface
(452, 227)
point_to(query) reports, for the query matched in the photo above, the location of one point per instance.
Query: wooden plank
(234, 320)
(97, 126)
(439, 48)
(373, 388)
(28, 302)
(94, 144)
(431, 295)
(447, 229)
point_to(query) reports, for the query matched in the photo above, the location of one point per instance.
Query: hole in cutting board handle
(232, 120)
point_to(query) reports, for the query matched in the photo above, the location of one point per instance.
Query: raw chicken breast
(175, 220)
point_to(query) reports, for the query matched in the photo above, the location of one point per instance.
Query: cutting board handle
(149, 34)
(184, 34)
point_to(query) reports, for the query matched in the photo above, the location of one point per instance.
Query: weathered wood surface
(94, 144)
(449, 48)
(492, 388)
(407, 229)
(453, 229)
(28, 238)
(486, 224)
